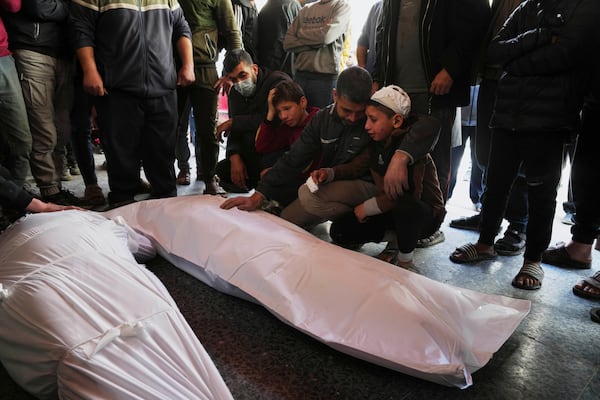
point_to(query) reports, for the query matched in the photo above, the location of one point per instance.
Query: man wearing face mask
(240, 170)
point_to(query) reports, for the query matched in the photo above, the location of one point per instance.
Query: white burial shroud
(350, 301)
(80, 319)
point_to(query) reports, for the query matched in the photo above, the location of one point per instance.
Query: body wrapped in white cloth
(350, 301)
(81, 319)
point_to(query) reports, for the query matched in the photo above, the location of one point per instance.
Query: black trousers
(138, 131)
(411, 219)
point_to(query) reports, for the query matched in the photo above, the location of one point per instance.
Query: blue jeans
(81, 129)
(318, 88)
(13, 121)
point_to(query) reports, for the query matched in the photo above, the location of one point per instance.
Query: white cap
(394, 98)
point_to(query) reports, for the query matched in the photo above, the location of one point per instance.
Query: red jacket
(272, 137)
(11, 6)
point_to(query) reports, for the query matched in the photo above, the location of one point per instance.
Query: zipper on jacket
(425, 39)
(143, 47)
(424, 42)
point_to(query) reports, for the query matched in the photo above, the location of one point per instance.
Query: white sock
(405, 257)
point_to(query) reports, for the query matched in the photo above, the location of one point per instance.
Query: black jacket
(248, 112)
(544, 49)
(450, 35)
(337, 143)
(133, 47)
(273, 21)
(40, 26)
(247, 17)
(13, 196)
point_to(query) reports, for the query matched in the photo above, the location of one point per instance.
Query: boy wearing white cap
(416, 214)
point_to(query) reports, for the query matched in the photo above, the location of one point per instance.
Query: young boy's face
(290, 112)
(379, 125)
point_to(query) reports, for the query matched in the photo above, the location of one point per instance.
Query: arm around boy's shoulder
(422, 134)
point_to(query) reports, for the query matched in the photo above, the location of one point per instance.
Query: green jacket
(213, 27)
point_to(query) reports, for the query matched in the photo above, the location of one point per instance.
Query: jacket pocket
(205, 46)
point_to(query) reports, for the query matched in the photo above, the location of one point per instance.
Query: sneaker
(512, 244)
(469, 223)
(568, 219)
(74, 170)
(272, 207)
(437, 237)
(66, 175)
(232, 188)
(65, 198)
(93, 196)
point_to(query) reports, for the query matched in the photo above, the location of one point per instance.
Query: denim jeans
(81, 130)
(13, 121)
(318, 88)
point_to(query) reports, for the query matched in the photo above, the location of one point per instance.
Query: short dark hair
(287, 91)
(355, 84)
(233, 58)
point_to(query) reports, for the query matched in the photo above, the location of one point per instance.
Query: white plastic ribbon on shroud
(81, 319)
(349, 301)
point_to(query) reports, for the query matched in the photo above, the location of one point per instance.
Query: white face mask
(246, 88)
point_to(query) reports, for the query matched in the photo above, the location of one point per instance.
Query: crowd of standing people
(367, 147)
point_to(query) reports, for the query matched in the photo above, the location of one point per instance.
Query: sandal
(559, 256)
(183, 177)
(529, 270)
(512, 244)
(593, 281)
(469, 223)
(437, 237)
(388, 256)
(469, 254)
(595, 314)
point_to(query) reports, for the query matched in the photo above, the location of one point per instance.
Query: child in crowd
(287, 115)
(416, 214)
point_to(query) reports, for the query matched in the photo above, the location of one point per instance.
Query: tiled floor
(554, 353)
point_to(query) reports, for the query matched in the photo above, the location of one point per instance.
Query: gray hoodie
(317, 36)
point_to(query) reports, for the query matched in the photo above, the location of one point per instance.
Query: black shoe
(144, 187)
(65, 198)
(232, 188)
(512, 244)
(469, 223)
